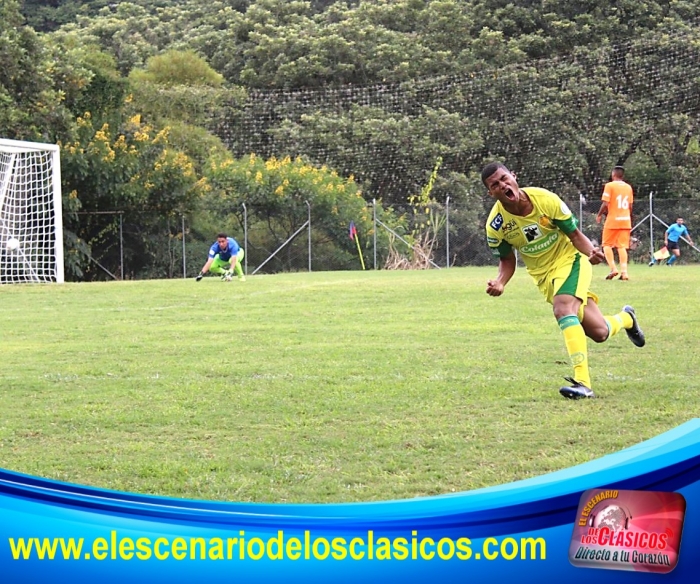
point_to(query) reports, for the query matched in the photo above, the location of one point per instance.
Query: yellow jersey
(540, 237)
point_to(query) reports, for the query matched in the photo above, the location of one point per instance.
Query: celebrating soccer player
(558, 256)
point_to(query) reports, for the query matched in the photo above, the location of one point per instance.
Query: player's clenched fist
(596, 256)
(494, 288)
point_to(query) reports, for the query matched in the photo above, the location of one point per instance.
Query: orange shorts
(619, 238)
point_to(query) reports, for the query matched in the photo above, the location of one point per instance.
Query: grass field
(330, 387)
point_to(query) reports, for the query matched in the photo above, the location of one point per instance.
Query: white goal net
(31, 226)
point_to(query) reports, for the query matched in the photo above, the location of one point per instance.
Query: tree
(562, 91)
(132, 169)
(179, 90)
(174, 68)
(46, 16)
(276, 193)
(30, 105)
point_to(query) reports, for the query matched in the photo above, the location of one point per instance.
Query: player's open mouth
(510, 195)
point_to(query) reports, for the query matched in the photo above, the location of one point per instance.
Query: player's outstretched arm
(586, 247)
(506, 269)
(204, 269)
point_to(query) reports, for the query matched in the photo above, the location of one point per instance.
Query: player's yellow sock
(610, 258)
(577, 347)
(621, 320)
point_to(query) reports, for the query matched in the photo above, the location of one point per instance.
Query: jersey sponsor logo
(512, 224)
(541, 245)
(545, 221)
(497, 222)
(492, 241)
(532, 232)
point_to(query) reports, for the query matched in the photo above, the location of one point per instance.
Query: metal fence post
(184, 258)
(447, 231)
(374, 213)
(245, 239)
(308, 206)
(651, 223)
(121, 243)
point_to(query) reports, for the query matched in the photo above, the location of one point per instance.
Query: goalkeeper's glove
(200, 276)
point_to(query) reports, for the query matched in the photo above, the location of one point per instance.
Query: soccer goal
(31, 224)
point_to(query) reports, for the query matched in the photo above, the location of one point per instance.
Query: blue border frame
(541, 507)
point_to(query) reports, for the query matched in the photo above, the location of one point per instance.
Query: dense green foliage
(131, 168)
(377, 89)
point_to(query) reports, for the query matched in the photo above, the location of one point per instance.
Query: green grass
(329, 387)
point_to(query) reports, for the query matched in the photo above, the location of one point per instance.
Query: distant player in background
(673, 234)
(617, 207)
(558, 256)
(225, 256)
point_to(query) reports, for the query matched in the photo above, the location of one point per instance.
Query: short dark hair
(619, 171)
(490, 168)
(222, 234)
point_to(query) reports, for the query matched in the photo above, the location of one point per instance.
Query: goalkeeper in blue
(225, 256)
(558, 257)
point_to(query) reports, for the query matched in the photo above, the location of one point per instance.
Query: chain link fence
(124, 246)
(650, 219)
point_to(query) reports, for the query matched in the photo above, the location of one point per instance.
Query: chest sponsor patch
(540, 245)
(532, 232)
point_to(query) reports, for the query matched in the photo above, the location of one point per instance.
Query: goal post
(31, 221)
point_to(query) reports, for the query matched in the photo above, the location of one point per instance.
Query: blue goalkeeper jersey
(224, 254)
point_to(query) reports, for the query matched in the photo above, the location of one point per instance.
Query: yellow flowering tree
(131, 168)
(276, 192)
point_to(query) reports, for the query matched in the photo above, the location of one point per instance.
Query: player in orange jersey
(617, 207)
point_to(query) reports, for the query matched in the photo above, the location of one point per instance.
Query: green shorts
(219, 264)
(572, 277)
